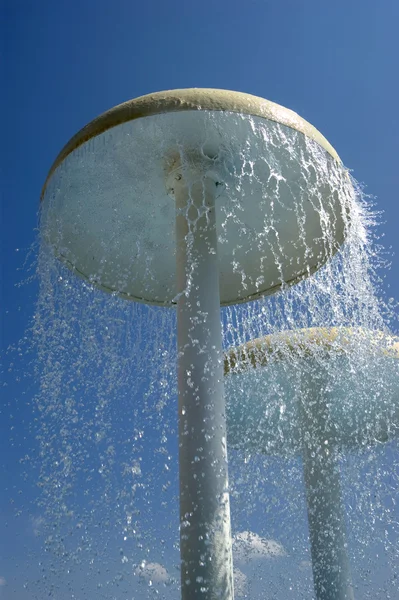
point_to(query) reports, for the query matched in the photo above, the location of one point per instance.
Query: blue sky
(63, 63)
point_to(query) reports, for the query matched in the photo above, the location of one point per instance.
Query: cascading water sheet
(107, 405)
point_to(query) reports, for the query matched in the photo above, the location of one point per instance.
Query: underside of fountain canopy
(282, 194)
(263, 389)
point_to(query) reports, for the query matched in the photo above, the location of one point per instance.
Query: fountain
(197, 199)
(317, 410)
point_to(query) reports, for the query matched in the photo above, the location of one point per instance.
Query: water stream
(106, 409)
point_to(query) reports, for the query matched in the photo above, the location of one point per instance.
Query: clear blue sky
(63, 63)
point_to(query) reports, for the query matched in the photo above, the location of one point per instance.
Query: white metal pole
(205, 535)
(326, 519)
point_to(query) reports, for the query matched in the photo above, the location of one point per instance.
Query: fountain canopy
(282, 194)
(268, 384)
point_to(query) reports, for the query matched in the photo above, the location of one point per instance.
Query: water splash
(107, 405)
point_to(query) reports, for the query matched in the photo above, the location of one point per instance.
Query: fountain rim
(130, 298)
(189, 99)
(305, 342)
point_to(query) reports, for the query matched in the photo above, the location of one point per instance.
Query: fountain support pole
(205, 533)
(327, 529)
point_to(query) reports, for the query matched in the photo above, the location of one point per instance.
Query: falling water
(106, 409)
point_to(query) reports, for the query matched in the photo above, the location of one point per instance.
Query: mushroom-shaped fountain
(197, 198)
(334, 389)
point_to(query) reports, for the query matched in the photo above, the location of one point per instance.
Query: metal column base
(327, 529)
